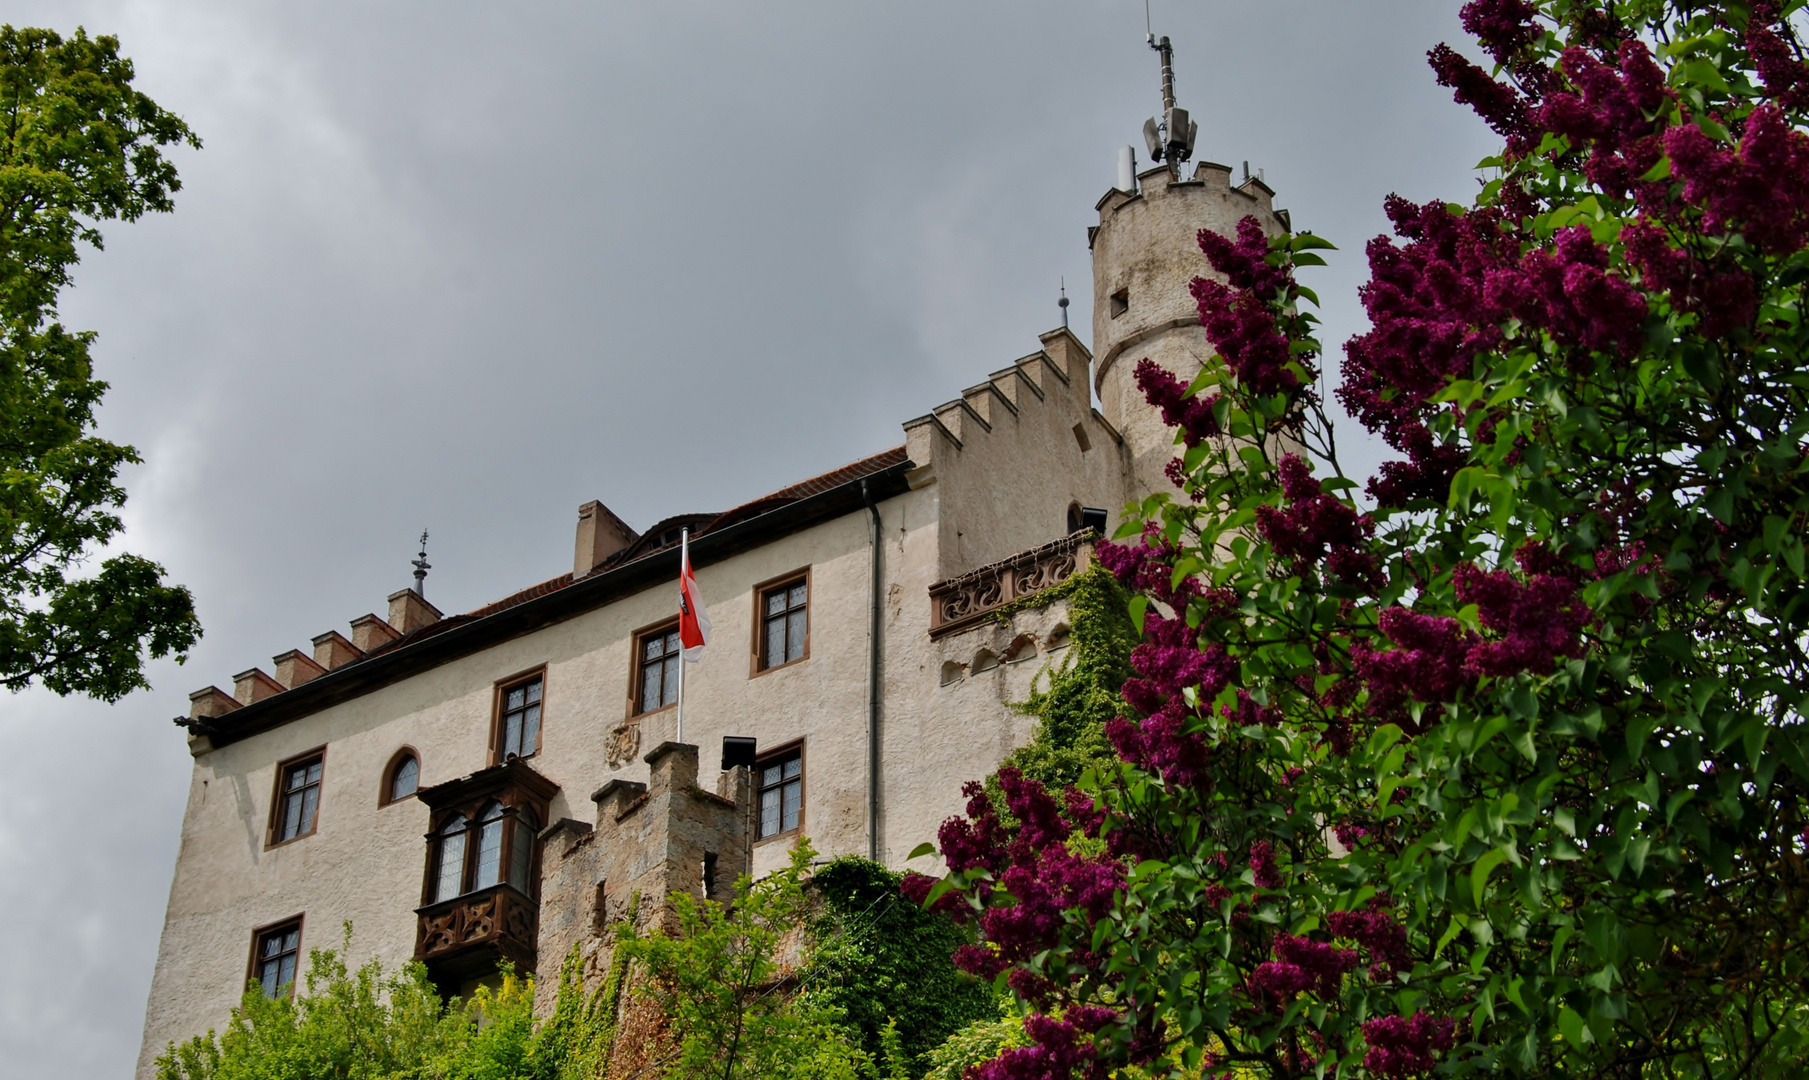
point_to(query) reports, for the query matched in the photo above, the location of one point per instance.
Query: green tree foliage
(722, 983)
(1502, 770)
(78, 147)
(882, 963)
(364, 1025)
(975, 1044)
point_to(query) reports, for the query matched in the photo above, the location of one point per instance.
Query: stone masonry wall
(648, 839)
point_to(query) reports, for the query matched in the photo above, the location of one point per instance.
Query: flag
(693, 619)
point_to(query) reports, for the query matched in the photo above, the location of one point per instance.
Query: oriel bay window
(480, 895)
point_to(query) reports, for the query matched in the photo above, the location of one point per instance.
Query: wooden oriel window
(781, 793)
(472, 851)
(784, 622)
(518, 718)
(275, 951)
(297, 802)
(401, 778)
(658, 654)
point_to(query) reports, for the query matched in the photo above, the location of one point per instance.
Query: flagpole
(684, 563)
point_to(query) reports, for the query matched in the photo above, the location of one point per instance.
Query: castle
(494, 785)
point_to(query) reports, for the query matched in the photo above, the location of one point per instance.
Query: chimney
(253, 685)
(332, 650)
(295, 667)
(369, 632)
(409, 611)
(600, 535)
(209, 703)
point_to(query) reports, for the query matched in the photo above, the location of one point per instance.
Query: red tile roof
(816, 485)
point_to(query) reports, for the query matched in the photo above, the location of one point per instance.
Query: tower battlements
(1145, 254)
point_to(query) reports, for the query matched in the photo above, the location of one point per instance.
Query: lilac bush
(1500, 765)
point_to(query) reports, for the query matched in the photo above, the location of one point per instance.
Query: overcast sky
(465, 266)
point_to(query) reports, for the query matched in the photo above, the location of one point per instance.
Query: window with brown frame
(784, 622)
(475, 850)
(518, 717)
(296, 808)
(781, 792)
(274, 953)
(658, 653)
(402, 777)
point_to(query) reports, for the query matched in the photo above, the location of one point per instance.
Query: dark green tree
(881, 960)
(78, 146)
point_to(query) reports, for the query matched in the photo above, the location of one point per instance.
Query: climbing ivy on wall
(1081, 694)
(880, 958)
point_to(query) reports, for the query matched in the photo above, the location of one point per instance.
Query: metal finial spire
(1063, 302)
(421, 566)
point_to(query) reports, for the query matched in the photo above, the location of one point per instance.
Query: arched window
(450, 880)
(521, 850)
(489, 847)
(402, 777)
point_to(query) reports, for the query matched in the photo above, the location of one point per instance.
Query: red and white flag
(693, 617)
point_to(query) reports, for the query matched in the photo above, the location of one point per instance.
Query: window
(401, 778)
(478, 904)
(464, 863)
(781, 792)
(450, 881)
(274, 951)
(518, 726)
(1121, 302)
(660, 654)
(297, 797)
(784, 623)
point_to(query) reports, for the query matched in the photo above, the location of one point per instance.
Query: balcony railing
(960, 602)
(466, 936)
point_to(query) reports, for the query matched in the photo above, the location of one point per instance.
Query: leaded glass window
(299, 799)
(781, 793)
(450, 881)
(489, 847)
(274, 959)
(404, 778)
(660, 656)
(520, 720)
(784, 619)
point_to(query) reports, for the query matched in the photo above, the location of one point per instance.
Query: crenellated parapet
(1014, 457)
(1145, 255)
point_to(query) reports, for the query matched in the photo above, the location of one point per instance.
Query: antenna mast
(1171, 139)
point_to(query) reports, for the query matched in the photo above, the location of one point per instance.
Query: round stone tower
(1145, 252)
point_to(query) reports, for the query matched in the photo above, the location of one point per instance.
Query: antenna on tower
(421, 566)
(1063, 302)
(1171, 139)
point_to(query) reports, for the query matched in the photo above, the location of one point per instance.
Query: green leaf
(920, 851)
(1479, 874)
(1572, 1026)
(1701, 72)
